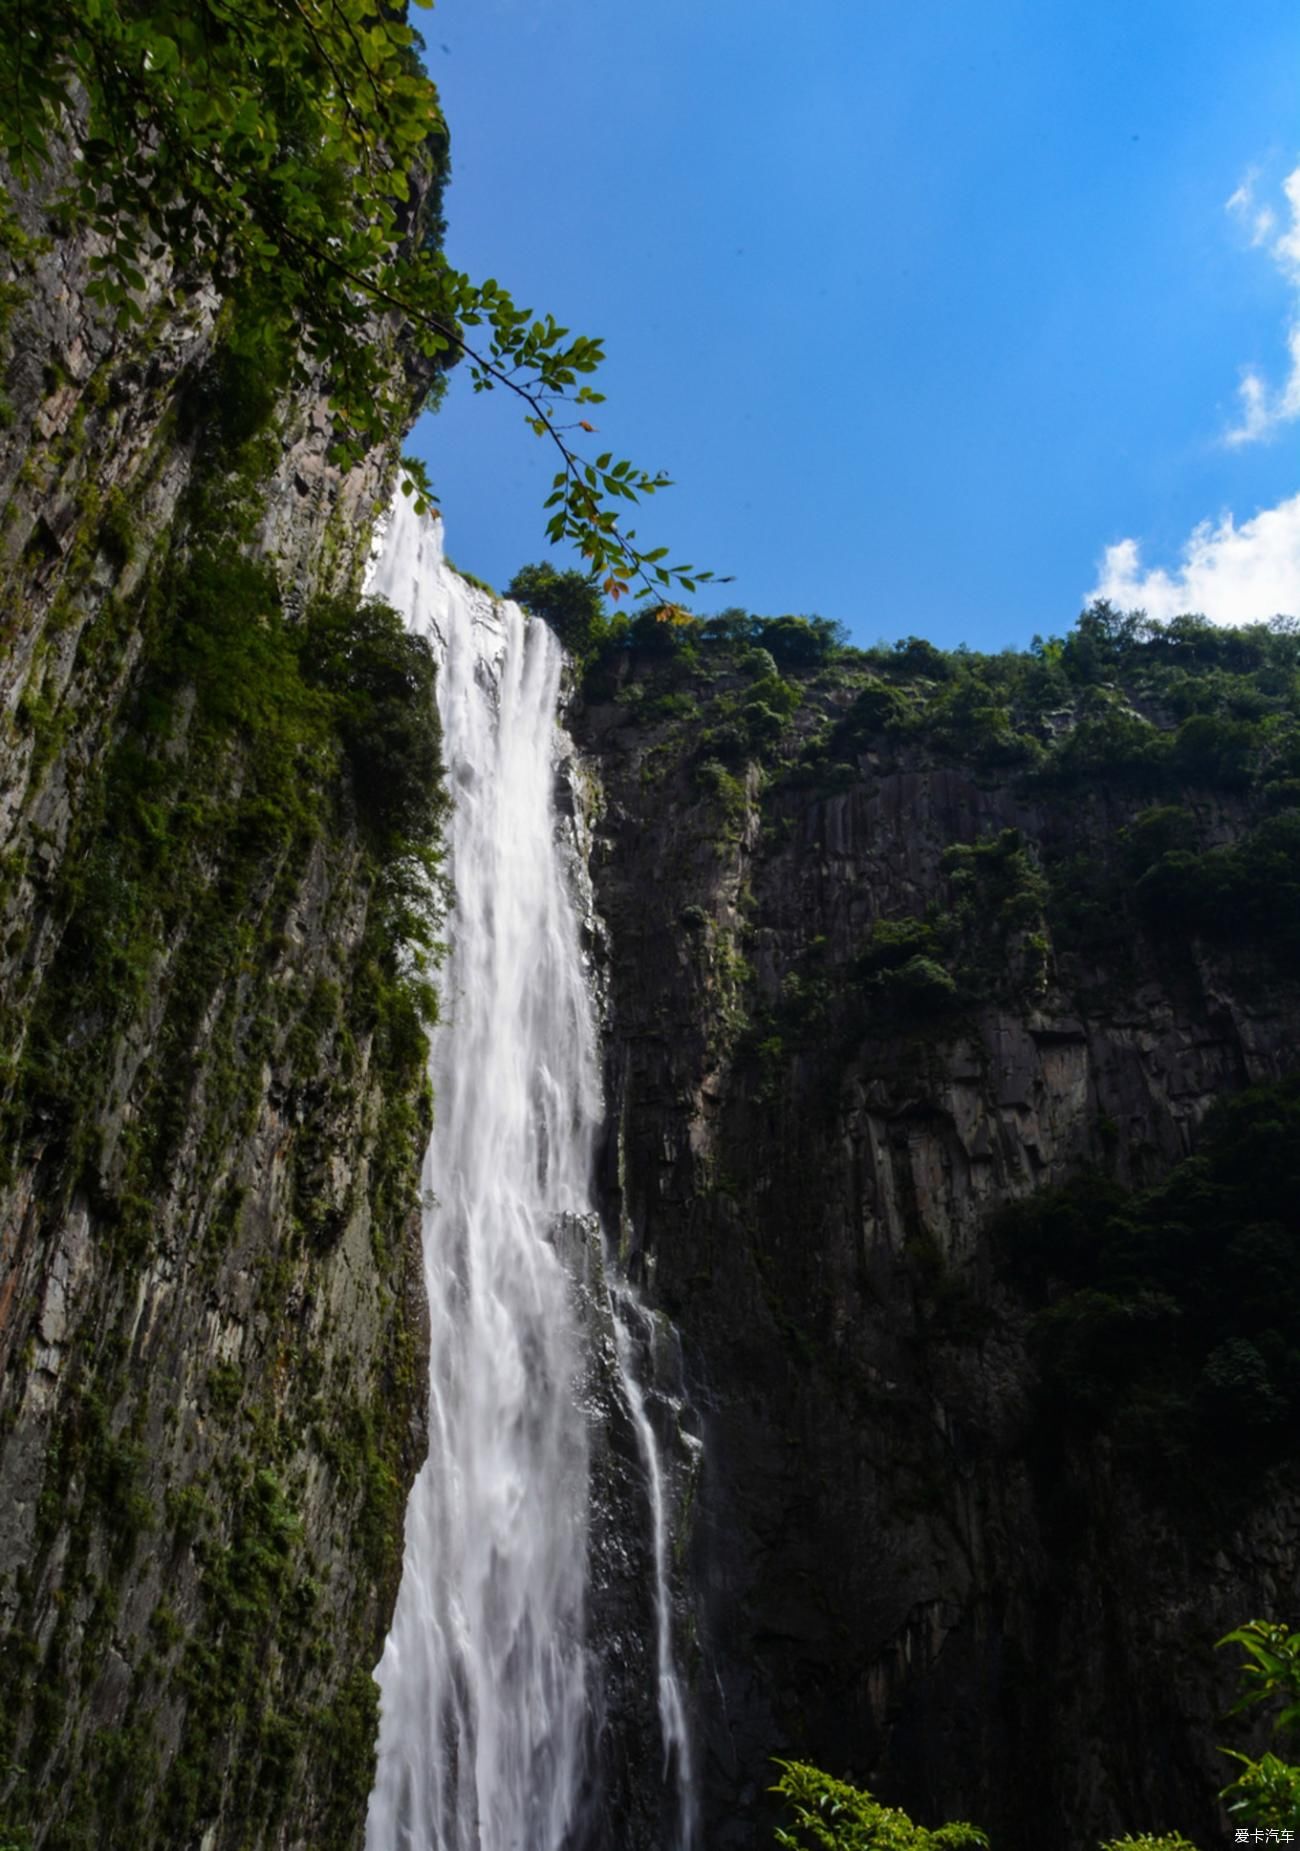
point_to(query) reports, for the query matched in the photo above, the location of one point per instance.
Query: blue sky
(923, 304)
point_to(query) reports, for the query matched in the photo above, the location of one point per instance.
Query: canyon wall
(214, 1088)
(982, 1478)
(907, 1565)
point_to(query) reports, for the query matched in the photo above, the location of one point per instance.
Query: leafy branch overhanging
(266, 149)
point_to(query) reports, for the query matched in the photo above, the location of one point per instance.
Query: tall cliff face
(215, 1102)
(869, 986)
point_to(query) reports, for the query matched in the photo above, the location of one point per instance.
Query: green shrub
(877, 709)
(1210, 750)
(800, 642)
(970, 720)
(729, 741)
(1110, 743)
(663, 630)
(1267, 1791)
(1154, 833)
(570, 602)
(674, 705)
(1170, 1316)
(382, 681)
(920, 984)
(1147, 1841)
(894, 942)
(830, 1815)
(714, 780)
(1247, 893)
(914, 658)
(780, 697)
(1266, 1794)
(763, 726)
(997, 873)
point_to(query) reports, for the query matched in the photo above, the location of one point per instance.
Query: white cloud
(1262, 408)
(1229, 574)
(1287, 248)
(1234, 574)
(1260, 221)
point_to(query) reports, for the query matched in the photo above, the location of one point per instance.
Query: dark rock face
(892, 1578)
(634, 1789)
(629, 1798)
(211, 1308)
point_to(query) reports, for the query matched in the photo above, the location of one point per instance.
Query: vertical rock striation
(898, 1576)
(214, 1093)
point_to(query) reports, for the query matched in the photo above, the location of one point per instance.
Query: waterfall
(673, 1730)
(488, 1679)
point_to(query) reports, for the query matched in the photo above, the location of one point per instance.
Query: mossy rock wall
(214, 1092)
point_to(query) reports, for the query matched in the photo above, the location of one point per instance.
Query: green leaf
(267, 160)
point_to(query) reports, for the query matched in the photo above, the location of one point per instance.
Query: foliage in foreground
(1150, 1841)
(271, 150)
(830, 1815)
(1266, 1793)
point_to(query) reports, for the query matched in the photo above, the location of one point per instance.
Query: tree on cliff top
(569, 602)
(265, 149)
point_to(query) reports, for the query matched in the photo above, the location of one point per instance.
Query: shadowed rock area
(869, 986)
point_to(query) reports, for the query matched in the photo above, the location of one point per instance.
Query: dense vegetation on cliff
(1168, 1316)
(1170, 717)
(970, 946)
(1165, 1314)
(1173, 719)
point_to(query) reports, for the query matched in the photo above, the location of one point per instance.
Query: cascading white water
(672, 1706)
(484, 1678)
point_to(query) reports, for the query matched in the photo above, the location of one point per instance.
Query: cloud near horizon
(1263, 409)
(1230, 574)
(1234, 574)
